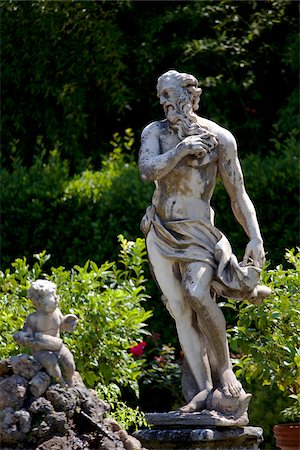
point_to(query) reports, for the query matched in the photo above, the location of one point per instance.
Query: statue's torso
(185, 192)
(47, 324)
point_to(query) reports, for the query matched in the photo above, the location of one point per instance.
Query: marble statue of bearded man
(191, 259)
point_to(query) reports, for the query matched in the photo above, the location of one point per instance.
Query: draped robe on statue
(185, 241)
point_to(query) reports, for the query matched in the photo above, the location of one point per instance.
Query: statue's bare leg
(196, 282)
(66, 361)
(49, 361)
(169, 279)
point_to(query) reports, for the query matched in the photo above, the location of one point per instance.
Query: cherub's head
(43, 295)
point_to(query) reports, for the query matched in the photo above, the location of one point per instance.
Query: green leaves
(108, 301)
(268, 335)
(75, 217)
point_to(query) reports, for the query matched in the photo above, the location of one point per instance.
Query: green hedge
(75, 218)
(272, 183)
(77, 71)
(108, 300)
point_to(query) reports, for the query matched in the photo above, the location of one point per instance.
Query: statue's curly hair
(41, 289)
(184, 80)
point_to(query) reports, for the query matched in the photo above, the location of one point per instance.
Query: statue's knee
(66, 361)
(197, 297)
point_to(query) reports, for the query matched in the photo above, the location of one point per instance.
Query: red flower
(138, 349)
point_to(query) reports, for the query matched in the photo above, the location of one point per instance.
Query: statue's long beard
(183, 121)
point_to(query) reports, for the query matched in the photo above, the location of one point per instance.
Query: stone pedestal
(175, 431)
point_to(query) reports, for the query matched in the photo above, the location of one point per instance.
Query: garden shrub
(77, 84)
(75, 217)
(108, 300)
(266, 337)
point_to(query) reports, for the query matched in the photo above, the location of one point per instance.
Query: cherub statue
(41, 332)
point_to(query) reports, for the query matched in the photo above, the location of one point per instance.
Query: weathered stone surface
(5, 367)
(24, 420)
(62, 399)
(91, 404)
(41, 333)
(13, 392)
(246, 438)
(191, 260)
(39, 384)
(59, 418)
(54, 423)
(41, 406)
(14, 425)
(25, 365)
(69, 441)
(178, 419)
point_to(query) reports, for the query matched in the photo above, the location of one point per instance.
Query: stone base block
(206, 438)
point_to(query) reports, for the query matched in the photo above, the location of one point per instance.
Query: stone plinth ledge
(204, 438)
(204, 418)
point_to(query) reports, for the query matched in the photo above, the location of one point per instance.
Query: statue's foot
(259, 294)
(231, 387)
(198, 403)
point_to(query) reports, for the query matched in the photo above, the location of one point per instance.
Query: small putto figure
(41, 332)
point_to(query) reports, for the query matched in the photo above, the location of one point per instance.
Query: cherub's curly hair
(40, 289)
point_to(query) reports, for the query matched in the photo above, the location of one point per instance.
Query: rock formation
(36, 414)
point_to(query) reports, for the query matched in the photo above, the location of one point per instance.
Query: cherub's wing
(69, 322)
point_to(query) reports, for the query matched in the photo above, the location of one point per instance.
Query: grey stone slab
(242, 438)
(204, 418)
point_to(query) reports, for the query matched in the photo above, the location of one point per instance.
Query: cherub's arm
(231, 173)
(30, 323)
(155, 165)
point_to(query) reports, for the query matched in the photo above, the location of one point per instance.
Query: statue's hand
(194, 145)
(255, 252)
(25, 338)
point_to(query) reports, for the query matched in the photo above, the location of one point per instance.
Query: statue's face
(47, 303)
(168, 95)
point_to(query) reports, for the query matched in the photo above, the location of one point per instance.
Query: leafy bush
(268, 335)
(75, 218)
(77, 84)
(75, 71)
(108, 301)
(129, 418)
(161, 376)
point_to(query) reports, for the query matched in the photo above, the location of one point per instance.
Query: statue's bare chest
(170, 140)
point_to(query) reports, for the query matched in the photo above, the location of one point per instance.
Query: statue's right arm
(152, 163)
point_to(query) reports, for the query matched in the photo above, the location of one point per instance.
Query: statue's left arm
(229, 169)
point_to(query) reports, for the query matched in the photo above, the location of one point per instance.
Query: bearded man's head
(185, 84)
(180, 95)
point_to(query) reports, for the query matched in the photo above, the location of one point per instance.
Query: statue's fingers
(246, 258)
(262, 260)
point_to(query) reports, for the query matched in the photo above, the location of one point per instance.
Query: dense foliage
(272, 183)
(78, 217)
(75, 218)
(75, 72)
(68, 85)
(108, 300)
(268, 335)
